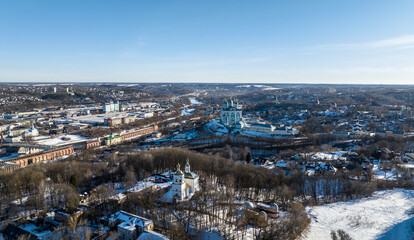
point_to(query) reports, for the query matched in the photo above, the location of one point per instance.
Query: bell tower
(187, 166)
(178, 186)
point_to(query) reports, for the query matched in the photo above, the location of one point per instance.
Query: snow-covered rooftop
(60, 140)
(146, 235)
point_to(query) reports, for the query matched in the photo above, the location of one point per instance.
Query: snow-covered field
(186, 112)
(271, 88)
(408, 165)
(62, 139)
(263, 87)
(387, 214)
(195, 101)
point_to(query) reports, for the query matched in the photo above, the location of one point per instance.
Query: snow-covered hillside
(195, 101)
(186, 112)
(386, 215)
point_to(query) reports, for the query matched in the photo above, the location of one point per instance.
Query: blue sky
(291, 41)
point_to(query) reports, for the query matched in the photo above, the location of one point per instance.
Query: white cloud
(401, 42)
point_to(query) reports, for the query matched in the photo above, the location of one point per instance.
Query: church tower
(178, 186)
(187, 167)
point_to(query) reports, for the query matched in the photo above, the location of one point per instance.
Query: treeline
(50, 185)
(222, 170)
(252, 182)
(393, 143)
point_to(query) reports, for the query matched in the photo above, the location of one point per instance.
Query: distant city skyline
(332, 42)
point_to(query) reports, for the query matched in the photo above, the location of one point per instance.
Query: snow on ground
(271, 88)
(167, 197)
(97, 118)
(152, 139)
(256, 134)
(387, 214)
(195, 101)
(384, 175)
(164, 185)
(33, 229)
(141, 185)
(62, 139)
(260, 134)
(216, 127)
(138, 187)
(118, 196)
(187, 112)
(408, 165)
(20, 201)
(329, 155)
(263, 87)
(187, 135)
(13, 155)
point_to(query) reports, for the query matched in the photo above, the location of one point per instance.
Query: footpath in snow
(387, 214)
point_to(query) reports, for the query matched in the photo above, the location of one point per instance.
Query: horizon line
(229, 83)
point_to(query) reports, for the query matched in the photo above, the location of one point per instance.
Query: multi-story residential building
(110, 107)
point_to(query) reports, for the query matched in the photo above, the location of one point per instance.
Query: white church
(185, 184)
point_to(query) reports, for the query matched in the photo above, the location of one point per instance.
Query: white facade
(178, 186)
(107, 107)
(110, 107)
(32, 132)
(231, 113)
(185, 184)
(285, 131)
(263, 127)
(13, 139)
